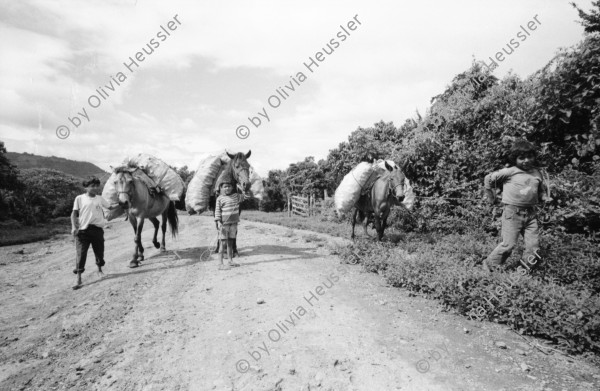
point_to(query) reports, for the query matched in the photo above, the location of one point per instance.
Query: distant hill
(72, 167)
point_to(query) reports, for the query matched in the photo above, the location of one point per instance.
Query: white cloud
(226, 58)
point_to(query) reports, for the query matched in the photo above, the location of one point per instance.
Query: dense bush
(467, 133)
(36, 194)
(44, 194)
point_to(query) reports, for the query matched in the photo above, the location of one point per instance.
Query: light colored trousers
(516, 220)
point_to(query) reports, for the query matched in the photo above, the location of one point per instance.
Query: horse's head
(124, 186)
(397, 179)
(241, 170)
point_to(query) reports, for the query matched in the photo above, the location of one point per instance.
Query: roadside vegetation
(437, 248)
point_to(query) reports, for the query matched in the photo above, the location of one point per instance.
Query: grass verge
(16, 234)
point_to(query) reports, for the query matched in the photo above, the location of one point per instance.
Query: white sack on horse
(353, 184)
(109, 193)
(202, 184)
(221, 174)
(160, 172)
(256, 188)
(409, 195)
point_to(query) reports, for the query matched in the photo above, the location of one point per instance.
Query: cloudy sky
(223, 61)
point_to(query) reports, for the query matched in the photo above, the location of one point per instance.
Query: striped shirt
(227, 208)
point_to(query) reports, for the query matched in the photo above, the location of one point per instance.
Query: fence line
(304, 206)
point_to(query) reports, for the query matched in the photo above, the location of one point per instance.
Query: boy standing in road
(522, 189)
(87, 222)
(227, 216)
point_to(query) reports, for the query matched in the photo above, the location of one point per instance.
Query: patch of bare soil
(291, 317)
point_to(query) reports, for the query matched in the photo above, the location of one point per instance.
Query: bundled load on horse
(360, 180)
(164, 176)
(355, 183)
(158, 177)
(376, 199)
(202, 184)
(209, 174)
(257, 187)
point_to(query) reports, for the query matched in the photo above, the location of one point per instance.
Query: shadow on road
(289, 253)
(170, 259)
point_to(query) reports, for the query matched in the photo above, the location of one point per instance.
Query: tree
(275, 190)
(591, 21)
(305, 177)
(48, 193)
(8, 172)
(9, 183)
(185, 174)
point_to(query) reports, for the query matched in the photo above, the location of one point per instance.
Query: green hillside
(71, 167)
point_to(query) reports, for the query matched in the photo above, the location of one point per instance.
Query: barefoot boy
(522, 189)
(87, 220)
(227, 216)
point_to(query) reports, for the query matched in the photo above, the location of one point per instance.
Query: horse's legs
(234, 245)
(218, 239)
(133, 222)
(384, 218)
(353, 222)
(365, 222)
(138, 238)
(163, 228)
(378, 226)
(155, 222)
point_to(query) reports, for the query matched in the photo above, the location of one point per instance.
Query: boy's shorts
(228, 231)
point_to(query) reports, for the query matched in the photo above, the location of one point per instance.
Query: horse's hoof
(156, 244)
(133, 264)
(77, 287)
(162, 249)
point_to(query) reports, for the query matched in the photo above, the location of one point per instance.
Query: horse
(387, 190)
(238, 172)
(140, 204)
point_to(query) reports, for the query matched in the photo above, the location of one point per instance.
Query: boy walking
(227, 216)
(87, 222)
(522, 189)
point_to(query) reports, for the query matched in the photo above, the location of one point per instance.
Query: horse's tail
(173, 219)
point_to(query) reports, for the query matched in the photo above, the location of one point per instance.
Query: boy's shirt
(90, 210)
(227, 208)
(519, 188)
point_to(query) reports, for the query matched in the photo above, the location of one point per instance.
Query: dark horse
(237, 172)
(387, 190)
(140, 204)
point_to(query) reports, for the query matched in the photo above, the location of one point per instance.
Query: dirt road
(291, 317)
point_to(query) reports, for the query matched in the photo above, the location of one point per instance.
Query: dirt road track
(179, 323)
